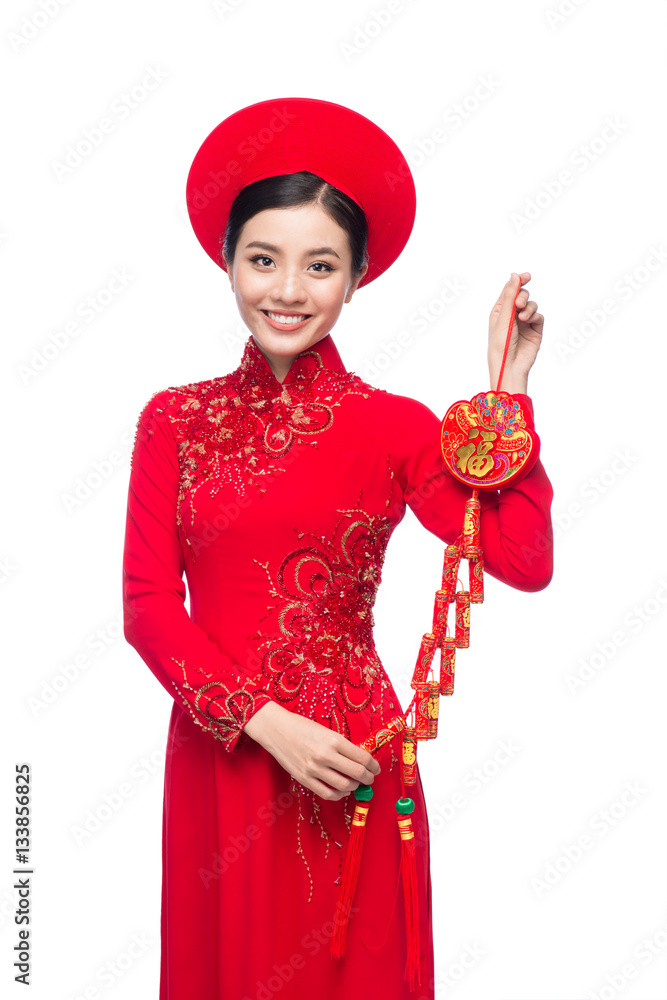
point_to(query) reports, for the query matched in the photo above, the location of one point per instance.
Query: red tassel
(409, 866)
(351, 870)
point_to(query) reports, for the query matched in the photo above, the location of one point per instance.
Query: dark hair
(289, 190)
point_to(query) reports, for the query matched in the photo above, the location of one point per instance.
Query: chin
(287, 344)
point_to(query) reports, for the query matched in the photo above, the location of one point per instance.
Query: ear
(228, 269)
(355, 284)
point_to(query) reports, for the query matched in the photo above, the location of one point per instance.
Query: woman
(275, 489)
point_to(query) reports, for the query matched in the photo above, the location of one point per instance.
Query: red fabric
(290, 134)
(277, 502)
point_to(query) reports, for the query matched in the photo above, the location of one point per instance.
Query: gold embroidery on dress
(224, 710)
(234, 429)
(321, 660)
(321, 654)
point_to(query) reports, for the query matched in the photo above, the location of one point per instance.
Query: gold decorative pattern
(215, 707)
(235, 428)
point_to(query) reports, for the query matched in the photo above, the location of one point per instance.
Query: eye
(261, 257)
(320, 263)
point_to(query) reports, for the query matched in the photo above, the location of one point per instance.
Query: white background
(520, 93)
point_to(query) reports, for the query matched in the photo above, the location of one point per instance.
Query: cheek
(331, 298)
(248, 289)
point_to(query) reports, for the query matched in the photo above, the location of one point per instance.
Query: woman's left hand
(525, 338)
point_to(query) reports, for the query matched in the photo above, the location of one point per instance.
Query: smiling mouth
(286, 319)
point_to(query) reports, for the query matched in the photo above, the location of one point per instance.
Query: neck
(280, 364)
(265, 376)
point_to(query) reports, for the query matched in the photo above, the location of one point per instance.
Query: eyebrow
(317, 252)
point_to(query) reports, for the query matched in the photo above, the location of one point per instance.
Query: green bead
(364, 793)
(404, 806)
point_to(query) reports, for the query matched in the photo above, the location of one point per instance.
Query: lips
(282, 317)
(285, 321)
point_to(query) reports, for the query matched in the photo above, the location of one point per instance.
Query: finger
(341, 784)
(502, 309)
(354, 771)
(527, 310)
(324, 791)
(363, 757)
(498, 304)
(523, 278)
(338, 780)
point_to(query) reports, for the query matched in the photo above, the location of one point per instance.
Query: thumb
(505, 303)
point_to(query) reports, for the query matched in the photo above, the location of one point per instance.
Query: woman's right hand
(317, 757)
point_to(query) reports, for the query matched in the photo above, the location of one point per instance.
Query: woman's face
(291, 263)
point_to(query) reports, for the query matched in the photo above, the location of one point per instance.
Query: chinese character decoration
(485, 444)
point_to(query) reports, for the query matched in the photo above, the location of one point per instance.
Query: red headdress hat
(286, 135)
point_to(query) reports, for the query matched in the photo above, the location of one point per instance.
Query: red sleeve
(515, 529)
(184, 659)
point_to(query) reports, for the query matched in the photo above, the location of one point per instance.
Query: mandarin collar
(257, 380)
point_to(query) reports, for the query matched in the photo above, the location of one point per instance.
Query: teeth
(285, 319)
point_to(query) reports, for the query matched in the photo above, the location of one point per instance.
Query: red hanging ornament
(363, 794)
(409, 757)
(486, 444)
(410, 895)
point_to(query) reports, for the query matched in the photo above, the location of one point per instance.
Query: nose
(288, 286)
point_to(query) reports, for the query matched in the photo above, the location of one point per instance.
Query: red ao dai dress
(277, 502)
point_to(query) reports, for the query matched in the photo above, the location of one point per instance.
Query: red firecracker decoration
(485, 444)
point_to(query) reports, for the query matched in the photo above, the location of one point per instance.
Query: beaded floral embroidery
(234, 429)
(320, 659)
(321, 654)
(217, 708)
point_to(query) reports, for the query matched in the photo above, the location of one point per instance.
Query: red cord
(507, 339)
(475, 495)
